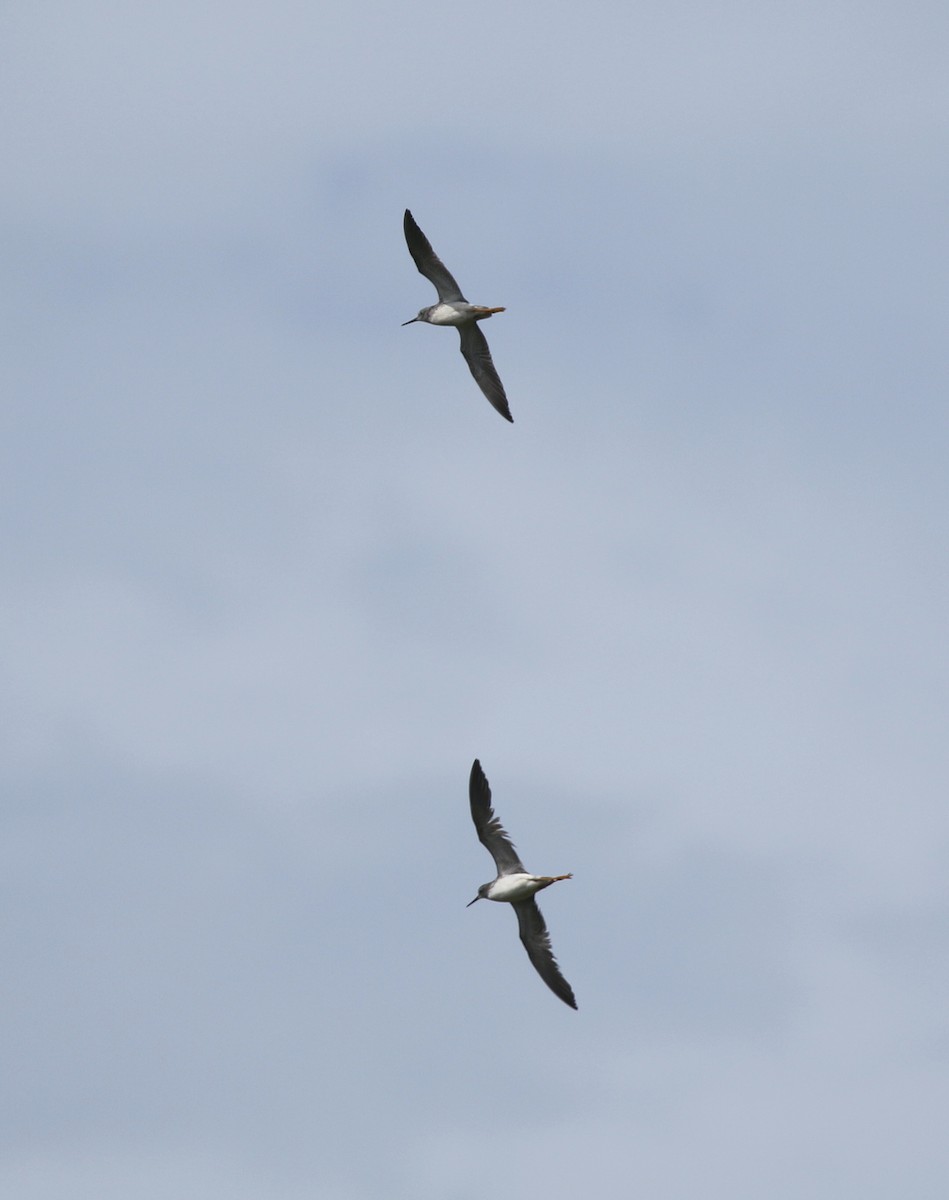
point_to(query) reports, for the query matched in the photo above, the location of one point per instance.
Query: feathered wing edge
(474, 347)
(428, 262)
(491, 833)
(536, 939)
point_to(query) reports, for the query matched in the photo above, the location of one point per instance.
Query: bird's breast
(448, 314)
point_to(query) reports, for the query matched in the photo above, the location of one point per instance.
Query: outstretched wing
(536, 941)
(428, 262)
(490, 831)
(474, 347)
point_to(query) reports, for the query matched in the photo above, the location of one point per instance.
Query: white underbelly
(447, 314)
(513, 887)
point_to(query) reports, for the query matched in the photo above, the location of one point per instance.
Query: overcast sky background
(274, 573)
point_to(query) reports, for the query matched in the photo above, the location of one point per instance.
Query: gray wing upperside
(428, 262)
(491, 834)
(474, 347)
(536, 941)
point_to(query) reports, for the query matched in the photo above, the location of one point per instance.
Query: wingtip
(479, 790)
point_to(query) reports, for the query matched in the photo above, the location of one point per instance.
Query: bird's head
(422, 316)
(482, 894)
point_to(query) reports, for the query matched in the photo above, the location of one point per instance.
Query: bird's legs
(547, 880)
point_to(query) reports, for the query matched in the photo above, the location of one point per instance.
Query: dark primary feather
(536, 941)
(428, 262)
(491, 834)
(474, 347)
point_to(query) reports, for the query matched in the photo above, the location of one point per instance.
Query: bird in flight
(516, 886)
(453, 309)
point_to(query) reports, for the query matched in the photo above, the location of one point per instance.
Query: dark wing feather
(428, 262)
(536, 941)
(474, 347)
(490, 832)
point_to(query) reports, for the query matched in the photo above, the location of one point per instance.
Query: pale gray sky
(274, 573)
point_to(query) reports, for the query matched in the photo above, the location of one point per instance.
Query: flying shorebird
(453, 309)
(516, 886)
